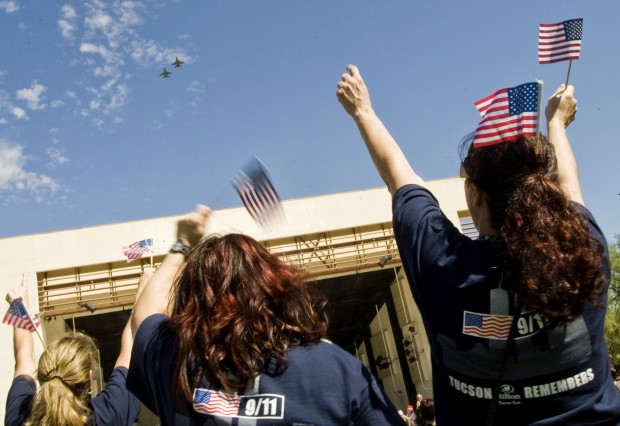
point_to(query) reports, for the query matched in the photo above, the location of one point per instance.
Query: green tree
(612, 321)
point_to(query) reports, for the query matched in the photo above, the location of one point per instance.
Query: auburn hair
(554, 264)
(64, 376)
(235, 307)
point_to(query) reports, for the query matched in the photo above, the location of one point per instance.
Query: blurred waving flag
(136, 250)
(18, 316)
(507, 114)
(559, 42)
(257, 193)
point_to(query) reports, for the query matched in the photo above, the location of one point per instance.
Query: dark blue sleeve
(115, 405)
(19, 400)
(375, 407)
(420, 227)
(430, 245)
(149, 362)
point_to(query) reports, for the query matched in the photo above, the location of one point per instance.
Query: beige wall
(101, 244)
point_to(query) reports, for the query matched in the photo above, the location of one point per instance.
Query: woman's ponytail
(64, 373)
(555, 264)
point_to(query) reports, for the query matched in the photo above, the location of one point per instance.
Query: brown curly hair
(235, 306)
(554, 262)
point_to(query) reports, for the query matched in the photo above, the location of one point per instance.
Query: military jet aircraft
(177, 63)
(165, 73)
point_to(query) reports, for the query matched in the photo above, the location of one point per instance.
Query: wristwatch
(180, 247)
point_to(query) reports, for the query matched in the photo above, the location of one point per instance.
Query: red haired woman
(515, 318)
(240, 342)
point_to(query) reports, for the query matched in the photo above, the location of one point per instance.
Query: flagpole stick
(34, 326)
(39, 336)
(539, 101)
(570, 63)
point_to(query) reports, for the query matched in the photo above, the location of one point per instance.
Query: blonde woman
(64, 376)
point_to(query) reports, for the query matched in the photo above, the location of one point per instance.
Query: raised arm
(155, 295)
(560, 112)
(127, 337)
(389, 160)
(23, 345)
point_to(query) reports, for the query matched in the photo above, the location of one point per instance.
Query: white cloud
(15, 178)
(118, 97)
(32, 96)
(172, 109)
(128, 14)
(56, 156)
(66, 23)
(19, 113)
(196, 87)
(100, 49)
(68, 12)
(105, 71)
(99, 20)
(148, 52)
(9, 6)
(57, 103)
(106, 34)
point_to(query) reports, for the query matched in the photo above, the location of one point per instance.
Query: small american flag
(136, 250)
(216, 403)
(507, 114)
(559, 42)
(486, 325)
(18, 316)
(257, 193)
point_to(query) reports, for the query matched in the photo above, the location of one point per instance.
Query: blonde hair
(64, 375)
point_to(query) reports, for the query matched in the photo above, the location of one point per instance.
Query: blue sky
(90, 134)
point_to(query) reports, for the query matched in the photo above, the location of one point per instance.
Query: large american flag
(136, 250)
(559, 42)
(507, 114)
(216, 403)
(257, 193)
(18, 316)
(486, 325)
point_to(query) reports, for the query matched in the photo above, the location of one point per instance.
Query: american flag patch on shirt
(487, 326)
(216, 403)
(222, 404)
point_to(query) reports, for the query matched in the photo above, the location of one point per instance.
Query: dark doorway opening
(352, 300)
(106, 329)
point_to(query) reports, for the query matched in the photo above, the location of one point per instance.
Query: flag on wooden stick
(559, 42)
(257, 193)
(18, 316)
(136, 250)
(507, 114)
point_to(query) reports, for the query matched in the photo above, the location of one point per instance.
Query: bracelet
(180, 247)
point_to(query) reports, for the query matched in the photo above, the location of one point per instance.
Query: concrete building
(80, 279)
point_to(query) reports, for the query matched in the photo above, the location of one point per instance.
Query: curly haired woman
(241, 342)
(515, 318)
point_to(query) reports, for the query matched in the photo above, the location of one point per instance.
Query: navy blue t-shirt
(113, 406)
(321, 385)
(558, 374)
